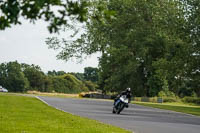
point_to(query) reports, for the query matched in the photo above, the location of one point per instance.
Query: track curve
(136, 118)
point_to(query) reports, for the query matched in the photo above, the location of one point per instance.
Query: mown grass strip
(19, 114)
(63, 95)
(194, 110)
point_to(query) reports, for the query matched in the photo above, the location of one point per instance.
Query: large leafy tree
(142, 46)
(35, 76)
(12, 77)
(91, 74)
(54, 73)
(193, 10)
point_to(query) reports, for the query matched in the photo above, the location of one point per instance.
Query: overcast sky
(26, 44)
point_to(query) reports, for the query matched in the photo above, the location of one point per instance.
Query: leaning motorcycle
(120, 104)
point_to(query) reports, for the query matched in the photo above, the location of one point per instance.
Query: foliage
(91, 74)
(12, 77)
(23, 77)
(194, 100)
(60, 14)
(90, 85)
(194, 94)
(150, 46)
(35, 76)
(170, 99)
(67, 84)
(54, 73)
(73, 82)
(56, 12)
(79, 76)
(193, 10)
(166, 94)
(161, 94)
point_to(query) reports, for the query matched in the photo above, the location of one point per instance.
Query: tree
(145, 46)
(91, 74)
(23, 77)
(13, 78)
(59, 73)
(67, 83)
(193, 28)
(33, 10)
(91, 85)
(79, 76)
(35, 76)
(54, 73)
(58, 13)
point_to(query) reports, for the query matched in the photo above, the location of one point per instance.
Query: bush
(161, 94)
(170, 99)
(170, 94)
(67, 83)
(166, 94)
(194, 94)
(194, 100)
(137, 99)
(90, 85)
(153, 99)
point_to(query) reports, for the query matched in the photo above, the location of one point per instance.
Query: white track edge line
(51, 105)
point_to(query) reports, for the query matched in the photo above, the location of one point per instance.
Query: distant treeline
(18, 77)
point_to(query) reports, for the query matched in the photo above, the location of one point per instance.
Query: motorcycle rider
(127, 92)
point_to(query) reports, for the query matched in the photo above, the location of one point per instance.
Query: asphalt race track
(136, 118)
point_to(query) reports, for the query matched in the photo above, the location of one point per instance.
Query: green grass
(62, 95)
(19, 114)
(178, 107)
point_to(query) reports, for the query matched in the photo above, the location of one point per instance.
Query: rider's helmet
(128, 89)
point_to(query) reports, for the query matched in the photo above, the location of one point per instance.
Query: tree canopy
(148, 45)
(58, 13)
(18, 77)
(12, 77)
(91, 74)
(53, 11)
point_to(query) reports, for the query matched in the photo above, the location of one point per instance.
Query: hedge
(195, 100)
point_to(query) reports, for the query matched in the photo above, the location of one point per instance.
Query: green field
(20, 114)
(178, 107)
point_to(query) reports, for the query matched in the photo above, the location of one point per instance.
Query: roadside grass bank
(63, 95)
(178, 107)
(19, 114)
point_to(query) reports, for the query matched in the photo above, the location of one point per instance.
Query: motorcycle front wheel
(120, 108)
(113, 110)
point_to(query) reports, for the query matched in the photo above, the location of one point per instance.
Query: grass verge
(63, 95)
(19, 114)
(178, 107)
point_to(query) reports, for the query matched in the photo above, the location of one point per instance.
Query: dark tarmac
(136, 118)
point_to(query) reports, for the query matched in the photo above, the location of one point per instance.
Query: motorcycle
(120, 104)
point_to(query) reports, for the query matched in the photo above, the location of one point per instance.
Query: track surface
(136, 118)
